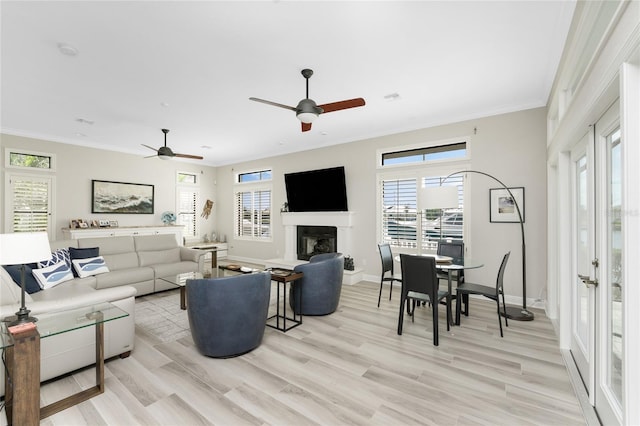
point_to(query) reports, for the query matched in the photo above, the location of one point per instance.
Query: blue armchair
(320, 285)
(227, 316)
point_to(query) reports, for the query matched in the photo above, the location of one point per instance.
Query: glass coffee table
(180, 280)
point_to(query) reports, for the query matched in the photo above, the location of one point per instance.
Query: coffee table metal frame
(180, 280)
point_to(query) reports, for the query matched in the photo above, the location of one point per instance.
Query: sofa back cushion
(61, 244)
(118, 252)
(109, 245)
(155, 242)
(157, 257)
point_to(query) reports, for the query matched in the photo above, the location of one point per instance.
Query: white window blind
(399, 218)
(187, 215)
(253, 214)
(30, 203)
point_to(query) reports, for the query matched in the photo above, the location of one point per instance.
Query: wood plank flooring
(348, 368)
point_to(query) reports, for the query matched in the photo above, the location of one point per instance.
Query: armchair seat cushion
(320, 287)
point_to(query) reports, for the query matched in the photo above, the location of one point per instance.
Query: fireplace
(314, 240)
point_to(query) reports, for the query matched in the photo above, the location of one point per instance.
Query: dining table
(449, 265)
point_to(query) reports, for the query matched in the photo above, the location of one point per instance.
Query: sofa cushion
(82, 253)
(75, 293)
(53, 275)
(168, 269)
(30, 283)
(109, 245)
(159, 256)
(121, 260)
(90, 266)
(155, 242)
(57, 256)
(123, 277)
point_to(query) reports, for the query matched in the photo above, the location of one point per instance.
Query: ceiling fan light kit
(165, 153)
(307, 110)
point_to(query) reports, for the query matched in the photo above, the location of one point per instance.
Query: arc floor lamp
(512, 312)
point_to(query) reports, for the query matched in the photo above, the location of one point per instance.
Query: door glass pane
(583, 258)
(614, 254)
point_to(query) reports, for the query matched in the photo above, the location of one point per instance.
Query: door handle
(588, 281)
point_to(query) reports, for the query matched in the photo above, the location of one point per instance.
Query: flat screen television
(317, 190)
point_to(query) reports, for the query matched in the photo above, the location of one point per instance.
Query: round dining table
(450, 264)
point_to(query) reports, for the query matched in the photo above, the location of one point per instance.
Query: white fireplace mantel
(343, 221)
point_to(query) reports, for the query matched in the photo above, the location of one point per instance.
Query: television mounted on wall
(322, 190)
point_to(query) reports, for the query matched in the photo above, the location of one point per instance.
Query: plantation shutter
(253, 214)
(399, 218)
(187, 204)
(30, 203)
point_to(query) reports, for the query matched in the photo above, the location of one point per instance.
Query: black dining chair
(492, 293)
(420, 284)
(454, 249)
(386, 256)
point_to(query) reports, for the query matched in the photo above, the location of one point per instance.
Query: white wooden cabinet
(74, 234)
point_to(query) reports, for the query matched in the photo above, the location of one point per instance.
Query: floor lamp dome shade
(515, 313)
(20, 248)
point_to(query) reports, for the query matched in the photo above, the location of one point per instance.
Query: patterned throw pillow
(53, 275)
(30, 284)
(82, 253)
(60, 255)
(89, 267)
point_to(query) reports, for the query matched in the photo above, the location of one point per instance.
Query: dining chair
(386, 256)
(455, 249)
(492, 293)
(420, 284)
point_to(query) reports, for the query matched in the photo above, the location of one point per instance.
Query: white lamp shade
(24, 247)
(439, 197)
(307, 117)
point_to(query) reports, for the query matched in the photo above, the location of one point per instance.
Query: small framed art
(502, 206)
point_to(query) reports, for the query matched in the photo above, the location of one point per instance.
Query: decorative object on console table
(168, 218)
(22, 248)
(348, 263)
(514, 313)
(121, 197)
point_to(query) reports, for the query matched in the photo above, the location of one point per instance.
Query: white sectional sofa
(136, 265)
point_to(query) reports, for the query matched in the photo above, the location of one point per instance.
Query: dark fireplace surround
(314, 240)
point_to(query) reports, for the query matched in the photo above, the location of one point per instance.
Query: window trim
(8, 198)
(8, 166)
(236, 180)
(252, 187)
(425, 145)
(183, 172)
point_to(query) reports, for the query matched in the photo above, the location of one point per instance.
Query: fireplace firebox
(314, 240)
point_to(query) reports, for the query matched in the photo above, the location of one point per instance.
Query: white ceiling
(447, 61)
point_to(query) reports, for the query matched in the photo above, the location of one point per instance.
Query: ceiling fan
(165, 153)
(307, 110)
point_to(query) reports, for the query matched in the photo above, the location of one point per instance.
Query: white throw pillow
(53, 275)
(90, 266)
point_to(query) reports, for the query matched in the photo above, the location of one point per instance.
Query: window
(187, 193)
(253, 205)
(187, 204)
(402, 225)
(29, 160)
(450, 151)
(29, 203)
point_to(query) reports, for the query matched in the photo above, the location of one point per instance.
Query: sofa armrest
(191, 254)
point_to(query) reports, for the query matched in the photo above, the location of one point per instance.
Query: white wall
(77, 166)
(511, 147)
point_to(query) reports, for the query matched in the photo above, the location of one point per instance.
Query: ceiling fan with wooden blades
(307, 110)
(165, 153)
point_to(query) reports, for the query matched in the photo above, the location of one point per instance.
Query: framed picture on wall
(121, 197)
(502, 207)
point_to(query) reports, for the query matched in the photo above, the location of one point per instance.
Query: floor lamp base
(518, 314)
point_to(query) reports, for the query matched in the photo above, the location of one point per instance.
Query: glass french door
(597, 289)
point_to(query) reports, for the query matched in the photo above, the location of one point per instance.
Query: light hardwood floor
(347, 368)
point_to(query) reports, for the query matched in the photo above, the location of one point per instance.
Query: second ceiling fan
(307, 110)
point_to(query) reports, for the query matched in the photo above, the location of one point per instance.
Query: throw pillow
(89, 267)
(30, 283)
(53, 275)
(82, 253)
(60, 255)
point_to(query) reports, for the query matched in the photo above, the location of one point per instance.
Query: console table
(22, 379)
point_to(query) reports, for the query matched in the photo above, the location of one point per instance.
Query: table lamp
(22, 248)
(439, 197)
